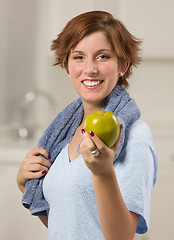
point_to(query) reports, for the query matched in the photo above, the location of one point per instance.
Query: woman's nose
(90, 68)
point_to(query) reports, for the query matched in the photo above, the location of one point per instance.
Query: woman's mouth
(92, 83)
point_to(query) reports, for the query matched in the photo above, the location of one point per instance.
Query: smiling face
(93, 68)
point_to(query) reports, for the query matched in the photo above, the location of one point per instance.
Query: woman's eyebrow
(98, 51)
(77, 51)
(104, 50)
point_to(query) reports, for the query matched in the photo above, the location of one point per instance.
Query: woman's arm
(32, 167)
(115, 219)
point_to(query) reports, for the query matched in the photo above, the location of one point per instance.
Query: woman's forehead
(96, 40)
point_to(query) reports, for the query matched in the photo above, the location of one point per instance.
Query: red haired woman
(77, 194)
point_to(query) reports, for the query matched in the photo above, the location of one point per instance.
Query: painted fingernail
(83, 131)
(49, 157)
(43, 172)
(91, 133)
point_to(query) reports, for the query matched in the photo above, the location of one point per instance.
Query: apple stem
(102, 112)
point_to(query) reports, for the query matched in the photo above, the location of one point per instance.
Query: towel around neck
(61, 131)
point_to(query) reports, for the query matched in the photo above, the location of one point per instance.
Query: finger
(33, 175)
(38, 150)
(98, 142)
(87, 144)
(37, 160)
(116, 145)
(42, 161)
(35, 168)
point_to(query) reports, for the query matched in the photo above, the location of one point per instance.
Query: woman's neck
(90, 108)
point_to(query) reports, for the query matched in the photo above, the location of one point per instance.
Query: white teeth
(90, 83)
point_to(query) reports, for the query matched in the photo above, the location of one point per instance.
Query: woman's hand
(33, 166)
(102, 165)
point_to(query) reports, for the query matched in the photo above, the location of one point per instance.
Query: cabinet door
(152, 21)
(162, 207)
(162, 210)
(163, 196)
(16, 221)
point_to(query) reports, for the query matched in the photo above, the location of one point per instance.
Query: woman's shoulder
(140, 132)
(139, 140)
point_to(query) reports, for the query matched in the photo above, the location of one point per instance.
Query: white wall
(18, 31)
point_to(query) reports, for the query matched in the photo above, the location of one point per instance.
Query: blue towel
(60, 132)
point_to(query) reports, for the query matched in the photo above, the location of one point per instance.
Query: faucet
(25, 131)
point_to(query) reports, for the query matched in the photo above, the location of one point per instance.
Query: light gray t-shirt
(69, 190)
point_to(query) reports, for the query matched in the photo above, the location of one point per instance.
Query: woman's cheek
(75, 70)
(112, 70)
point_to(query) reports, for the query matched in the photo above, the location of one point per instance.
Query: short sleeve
(136, 171)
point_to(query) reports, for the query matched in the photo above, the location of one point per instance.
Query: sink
(13, 149)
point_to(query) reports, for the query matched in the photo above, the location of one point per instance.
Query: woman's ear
(125, 69)
(66, 71)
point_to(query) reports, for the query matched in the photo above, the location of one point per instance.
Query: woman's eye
(78, 57)
(103, 57)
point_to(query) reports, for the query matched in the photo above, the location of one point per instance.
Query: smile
(92, 83)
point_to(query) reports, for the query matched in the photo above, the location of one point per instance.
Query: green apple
(105, 125)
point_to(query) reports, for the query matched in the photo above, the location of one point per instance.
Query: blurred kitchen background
(32, 92)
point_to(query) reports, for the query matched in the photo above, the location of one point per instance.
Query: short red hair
(125, 45)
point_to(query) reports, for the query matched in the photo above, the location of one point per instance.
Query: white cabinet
(16, 221)
(162, 210)
(152, 21)
(163, 196)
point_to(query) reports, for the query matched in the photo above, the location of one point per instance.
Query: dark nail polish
(83, 131)
(91, 133)
(43, 172)
(49, 157)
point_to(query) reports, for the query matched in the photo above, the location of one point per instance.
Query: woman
(87, 196)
